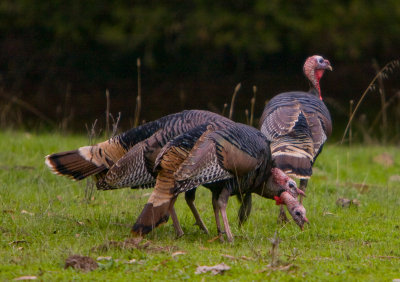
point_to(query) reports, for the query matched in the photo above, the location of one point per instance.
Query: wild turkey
(232, 160)
(298, 124)
(127, 160)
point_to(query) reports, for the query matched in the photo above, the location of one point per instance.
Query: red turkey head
(296, 209)
(285, 183)
(314, 68)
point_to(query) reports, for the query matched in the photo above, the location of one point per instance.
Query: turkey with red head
(230, 160)
(297, 124)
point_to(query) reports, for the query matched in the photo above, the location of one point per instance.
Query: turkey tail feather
(294, 166)
(72, 164)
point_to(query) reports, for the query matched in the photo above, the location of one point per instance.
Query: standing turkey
(229, 161)
(127, 160)
(298, 124)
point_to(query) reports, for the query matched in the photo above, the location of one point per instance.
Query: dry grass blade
(274, 249)
(115, 124)
(253, 102)
(28, 107)
(383, 102)
(89, 189)
(224, 109)
(139, 96)
(107, 112)
(378, 116)
(383, 73)
(237, 88)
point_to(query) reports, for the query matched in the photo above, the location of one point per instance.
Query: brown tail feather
(161, 201)
(151, 217)
(294, 166)
(72, 164)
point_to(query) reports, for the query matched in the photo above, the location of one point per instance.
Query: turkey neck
(269, 189)
(314, 76)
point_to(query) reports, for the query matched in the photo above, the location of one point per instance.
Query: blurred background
(58, 58)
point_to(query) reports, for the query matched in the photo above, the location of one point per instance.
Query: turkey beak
(305, 221)
(328, 65)
(300, 192)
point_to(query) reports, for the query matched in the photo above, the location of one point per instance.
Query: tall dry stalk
(115, 124)
(383, 102)
(253, 102)
(384, 108)
(139, 96)
(350, 113)
(383, 73)
(237, 88)
(274, 249)
(224, 109)
(89, 189)
(107, 113)
(66, 117)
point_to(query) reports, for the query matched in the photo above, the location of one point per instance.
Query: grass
(45, 218)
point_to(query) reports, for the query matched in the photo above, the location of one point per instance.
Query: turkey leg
(175, 221)
(216, 215)
(245, 208)
(303, 186)
(222, 203)
(190, 196)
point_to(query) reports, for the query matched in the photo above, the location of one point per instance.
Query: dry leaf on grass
(130, 261)
(394, 178)
(214, 239)
(384, 159)
(26, 212)
(17, 242)
(81, 263)
(216, 269)
(26, 278)
(178, 253)
(275, 268)
(104, 258)
(345, 203)
(237, 258)
(229, 256)
(8, 211)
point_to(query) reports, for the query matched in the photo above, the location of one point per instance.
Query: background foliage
(198, 49)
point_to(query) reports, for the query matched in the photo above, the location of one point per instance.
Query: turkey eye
(320, 60)
(298, 213)
(291, 185)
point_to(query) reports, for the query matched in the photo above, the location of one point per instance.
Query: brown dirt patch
(81, 263)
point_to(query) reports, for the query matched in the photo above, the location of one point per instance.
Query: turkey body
(297, 124)
(127, 160)
(230, 160)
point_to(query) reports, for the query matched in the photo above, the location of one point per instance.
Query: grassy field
(46, 218)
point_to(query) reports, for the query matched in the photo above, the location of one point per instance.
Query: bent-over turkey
(127, 160)
(229, 161)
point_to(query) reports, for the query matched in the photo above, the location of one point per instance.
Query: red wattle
(278, 200)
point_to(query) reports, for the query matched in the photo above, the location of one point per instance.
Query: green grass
(356, 243)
